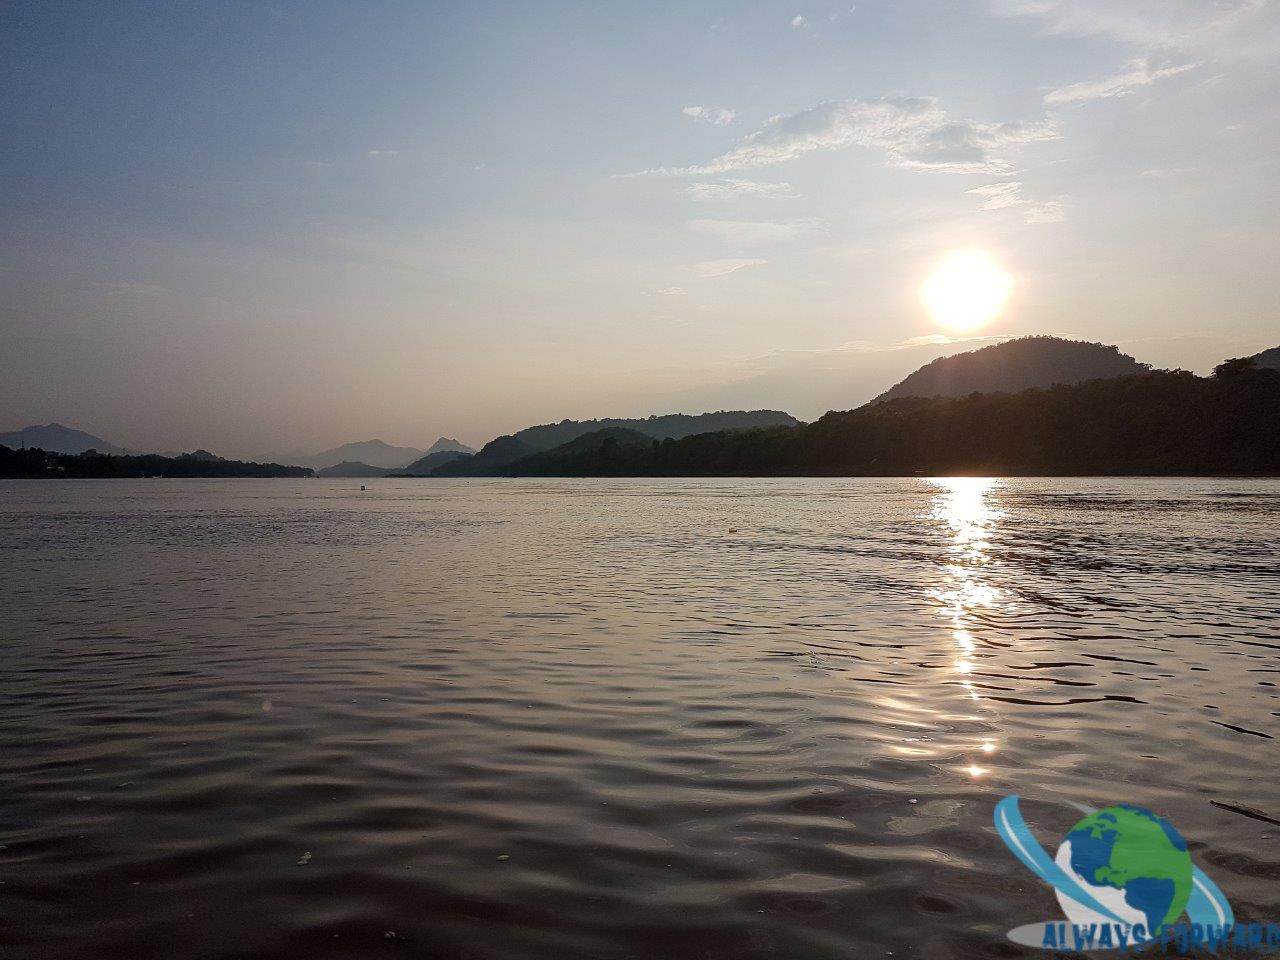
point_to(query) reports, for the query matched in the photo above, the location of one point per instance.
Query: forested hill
(1161, 423)
(1014, 366)
(38, 464)
(509, 448)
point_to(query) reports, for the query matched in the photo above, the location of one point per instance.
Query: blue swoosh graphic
(1017, 837)
(1208, 905)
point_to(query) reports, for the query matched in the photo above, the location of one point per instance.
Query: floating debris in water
(1250, 812)
(392, 935)
(304, 859)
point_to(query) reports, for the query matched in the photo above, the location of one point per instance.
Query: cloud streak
(707, 269)
(1140, 73)
(912, 132)
(1007, 195)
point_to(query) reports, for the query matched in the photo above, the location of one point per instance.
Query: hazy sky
(259, 227)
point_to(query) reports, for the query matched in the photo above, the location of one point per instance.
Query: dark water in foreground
(582, 719)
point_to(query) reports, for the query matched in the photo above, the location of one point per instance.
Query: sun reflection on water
(964, 506)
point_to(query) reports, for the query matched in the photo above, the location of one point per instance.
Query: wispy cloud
(375, 154)
(715, 115)
(1007, 195)
(798, 21)
(999, 196)
(722, 268)
(734, 188)
(912, 132)
(754, 232)
(1139, 73)
(673, 292)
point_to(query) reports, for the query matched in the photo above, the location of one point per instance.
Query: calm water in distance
(562, 719)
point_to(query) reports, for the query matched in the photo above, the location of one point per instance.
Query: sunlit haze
(269, 227)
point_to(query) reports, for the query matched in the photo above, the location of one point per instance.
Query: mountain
(423, 466)
(512, 447)
(1014, 366)
(372, 452)
(448, 445)
(352, 468)
(1161, 423)
(55, 438)
(1267, 359)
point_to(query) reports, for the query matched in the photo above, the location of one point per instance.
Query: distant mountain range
(1014, 366)
(55, 438)
(375, 453)
(496, 454)
(1037, 405)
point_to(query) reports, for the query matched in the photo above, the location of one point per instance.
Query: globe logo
(1130, 860)
(1123, 877)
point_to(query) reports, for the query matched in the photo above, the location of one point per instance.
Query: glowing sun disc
(966, 290)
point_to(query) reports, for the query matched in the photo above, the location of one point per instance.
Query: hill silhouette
(423, 466)
(1159, 423)
(1014, 366)
(448, 445)
(532, 440)
(55, 438)
(591, 451)
(352, 468)
(1267, 359)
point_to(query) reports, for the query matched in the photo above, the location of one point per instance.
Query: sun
(966, 291)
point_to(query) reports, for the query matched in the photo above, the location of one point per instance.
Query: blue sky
(259, 227)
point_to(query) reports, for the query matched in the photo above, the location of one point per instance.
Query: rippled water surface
(650, 719)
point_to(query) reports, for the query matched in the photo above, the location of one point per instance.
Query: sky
(259, 227)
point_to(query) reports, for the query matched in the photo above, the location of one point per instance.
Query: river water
(615, 719)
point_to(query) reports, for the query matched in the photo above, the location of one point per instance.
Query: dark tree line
(1160, 423)
(33, 463)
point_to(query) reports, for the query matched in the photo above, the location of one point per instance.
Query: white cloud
(798, 21)
(718, 116)
(1139, 73)
(1226, 28)
(733, 188)
(382, 153)
(673, 292)
(722, 268)
(753, 232)
(913, 132)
